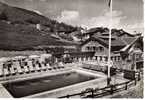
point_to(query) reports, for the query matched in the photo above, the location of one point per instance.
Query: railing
(100, 92)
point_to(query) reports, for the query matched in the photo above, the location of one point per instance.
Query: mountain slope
(18, 29)
(19, 38)
(23, 16)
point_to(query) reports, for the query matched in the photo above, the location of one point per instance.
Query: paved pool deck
(133, 92)
(4, 93)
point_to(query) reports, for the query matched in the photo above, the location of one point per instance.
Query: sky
(126, 14)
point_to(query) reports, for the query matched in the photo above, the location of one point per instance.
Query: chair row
(16, 68)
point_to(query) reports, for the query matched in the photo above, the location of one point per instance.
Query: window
(118, 58)
(100, 58)
(94, 48)
(115, 58)
(88, 48)
(106, 58)
(100, 48)
(111, 58)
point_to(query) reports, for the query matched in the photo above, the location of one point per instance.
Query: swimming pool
(34, 86)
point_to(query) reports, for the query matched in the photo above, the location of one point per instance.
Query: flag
(109, 2)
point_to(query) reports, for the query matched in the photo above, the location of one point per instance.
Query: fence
(100, 92)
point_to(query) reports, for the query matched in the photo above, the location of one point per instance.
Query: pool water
(33, 86)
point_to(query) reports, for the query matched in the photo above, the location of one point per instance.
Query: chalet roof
(97, 29)
(93, 39)
(128, 47)
(107, 37)
(114, 41)
(128, 40)
(116, 44)
(121, 32)
(105, 31)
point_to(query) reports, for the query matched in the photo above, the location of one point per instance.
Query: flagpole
(109, 51)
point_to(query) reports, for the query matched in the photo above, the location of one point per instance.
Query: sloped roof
(114, 41)
(116, 44)
(128, 40)
(120, 32)
(128, 47)
(107, 37)
(94, 39)
(96, 29)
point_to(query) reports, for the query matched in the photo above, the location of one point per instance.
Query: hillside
(18, 29)
(20, 37)
(23, 16)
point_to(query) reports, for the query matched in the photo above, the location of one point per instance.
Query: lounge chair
(20, 71)
(1, 71)
(37, 67)
(17, 66)
(60, 65)
(12, 71)
(26, 69)
(6, 72)
(43, 67)
(31, 68)
(14, 67)
(48, 66)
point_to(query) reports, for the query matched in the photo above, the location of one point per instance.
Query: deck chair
(12, 71)
(1, 69)
(6, 72)
(37, 67)
(31, 68)
(26, 69)
(20, 71)
(43, 67)
(48, 66)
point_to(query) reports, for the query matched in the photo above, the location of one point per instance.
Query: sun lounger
(43, 67)
(31, 68)
(1, 71)
(12, 71)
(60, 64)
(14, 68)
(17, 66)
(37, 67)
(48, 66)
(26, 69)
(6, 72)
(19, 69)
